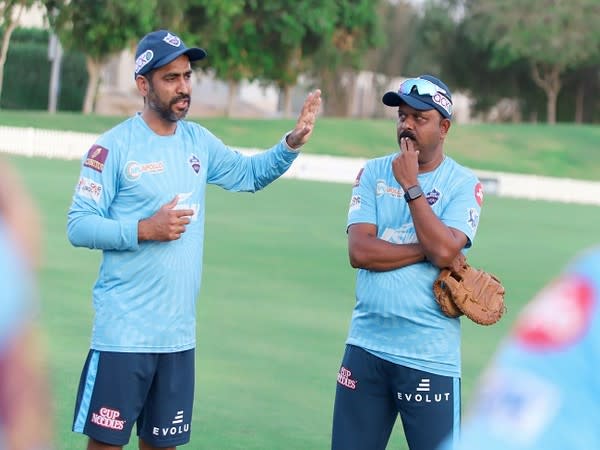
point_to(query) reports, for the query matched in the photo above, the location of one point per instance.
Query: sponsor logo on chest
(134, 170)
(383, 189)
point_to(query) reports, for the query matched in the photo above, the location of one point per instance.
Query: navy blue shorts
(154, 390)
(370, 394)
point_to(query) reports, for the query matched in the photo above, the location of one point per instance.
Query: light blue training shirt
(145, 294)
(541, 391)
(396, 316)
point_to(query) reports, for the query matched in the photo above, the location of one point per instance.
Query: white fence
(70, 145)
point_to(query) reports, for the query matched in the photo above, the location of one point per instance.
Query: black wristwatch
(412, 193)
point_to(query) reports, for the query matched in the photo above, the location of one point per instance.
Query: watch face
(413, 193)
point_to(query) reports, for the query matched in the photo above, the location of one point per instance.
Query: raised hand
(306, 120)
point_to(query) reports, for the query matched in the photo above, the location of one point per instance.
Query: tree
(435, 30)
(258, 40)
(399, 22)
(10, 14)
(553, 36)
(335, 65)
(291, 33)
(579, 102)
(274, 41)
(99, 29)
(444, 46)
(230, 36)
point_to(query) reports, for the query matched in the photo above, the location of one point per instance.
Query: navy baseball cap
(159, 48)
(422, 93)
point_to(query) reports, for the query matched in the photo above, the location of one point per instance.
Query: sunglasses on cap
(423, 86)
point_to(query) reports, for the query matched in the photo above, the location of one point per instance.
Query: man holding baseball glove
(412, 214)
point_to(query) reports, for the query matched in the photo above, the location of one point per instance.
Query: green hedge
(27, 74)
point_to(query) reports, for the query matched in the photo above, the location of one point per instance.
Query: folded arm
(367, 251)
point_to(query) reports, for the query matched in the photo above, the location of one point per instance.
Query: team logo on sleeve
(96, 158)
(473, 219)
(357, 180)
(354, 203)
(479, 194)
(195, 163)
(559, 316)
(89, 188)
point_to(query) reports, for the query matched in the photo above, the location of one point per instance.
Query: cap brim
(395, 99)
(195, 54)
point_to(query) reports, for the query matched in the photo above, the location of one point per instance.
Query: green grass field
(276, 301)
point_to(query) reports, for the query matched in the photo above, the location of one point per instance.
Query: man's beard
(165, 111)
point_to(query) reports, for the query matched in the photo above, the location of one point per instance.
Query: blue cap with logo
(422, 93)
(159, 48)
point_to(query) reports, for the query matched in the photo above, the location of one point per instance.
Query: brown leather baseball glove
(462, 289)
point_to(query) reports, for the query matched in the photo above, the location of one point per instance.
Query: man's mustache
(179, 98)
(408, 134)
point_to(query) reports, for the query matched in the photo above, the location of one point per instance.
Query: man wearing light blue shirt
(411, 213)
(141, 200)
(541, 391)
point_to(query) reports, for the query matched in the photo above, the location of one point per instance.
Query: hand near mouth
(406, 165)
